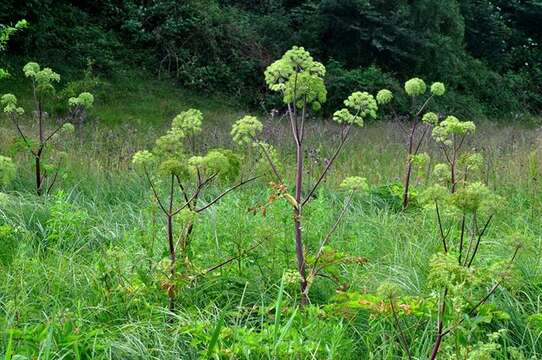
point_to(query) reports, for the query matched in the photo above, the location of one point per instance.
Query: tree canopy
(487, 51)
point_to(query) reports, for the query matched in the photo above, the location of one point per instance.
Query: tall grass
(78, 269)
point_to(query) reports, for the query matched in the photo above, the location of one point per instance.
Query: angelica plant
(44, 142)
(300, 81)
(460, 282)
(420, 122)
(178, 178)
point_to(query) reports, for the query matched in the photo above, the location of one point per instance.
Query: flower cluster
(430, 118)
(471, 161)
(442, 172)
(420, 159)
(217, 161)
(384, 96)
(299, 77)
(438, 89)
(244, 130)
(170, 144)
(415, 87)
(362, 104)
(43, 78)
(143, 159)
(9, 102)
(84, 100)
(68, 128)
(169, 155)
(355, 183)
(475, 197)
(344, 116)
(189, 121)
(172, 166)
(452, 126)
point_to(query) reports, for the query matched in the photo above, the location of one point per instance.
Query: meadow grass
(79, 274)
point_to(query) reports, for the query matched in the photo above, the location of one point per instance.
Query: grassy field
(80, 274)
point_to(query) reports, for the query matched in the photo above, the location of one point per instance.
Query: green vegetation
(290, 215)
(83, 271)
(487, 52)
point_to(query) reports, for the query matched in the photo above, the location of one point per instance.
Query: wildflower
(172, 167)
(430, 118)
(170, 144)
(355, 183)
(384, 96)
(442, 172)
(245, 129)
(415, 87)
(452, 126)
(344, 116)
(9, 102)
(438, 89)
(143, 159)
(189, 121)
(84, 100)
(471, 197)
(363, 104)
(435, 193)
(299, 77)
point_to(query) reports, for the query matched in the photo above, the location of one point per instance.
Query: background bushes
(487, 50)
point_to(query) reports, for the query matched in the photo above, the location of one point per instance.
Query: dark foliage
(487, 51)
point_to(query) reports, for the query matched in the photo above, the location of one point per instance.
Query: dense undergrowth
(81, 274)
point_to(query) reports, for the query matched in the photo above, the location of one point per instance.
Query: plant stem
(408, 172)
(172, 254)
(297, 224)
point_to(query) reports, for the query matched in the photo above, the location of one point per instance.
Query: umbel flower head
(143, 159)
(217, 161)
(170, 144)
(355, 183)
(9, 102)
(384, 96)
(435, 193)
(173, 166)
(430, 118)
(84, 100)
(452, 126)
(7, 171)
(415, 87)
(43, 78)
(305, 89)
(438, 89)
(362, 104)
(299, 78)
(471, 197)
(245, 130)
(189, 121)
